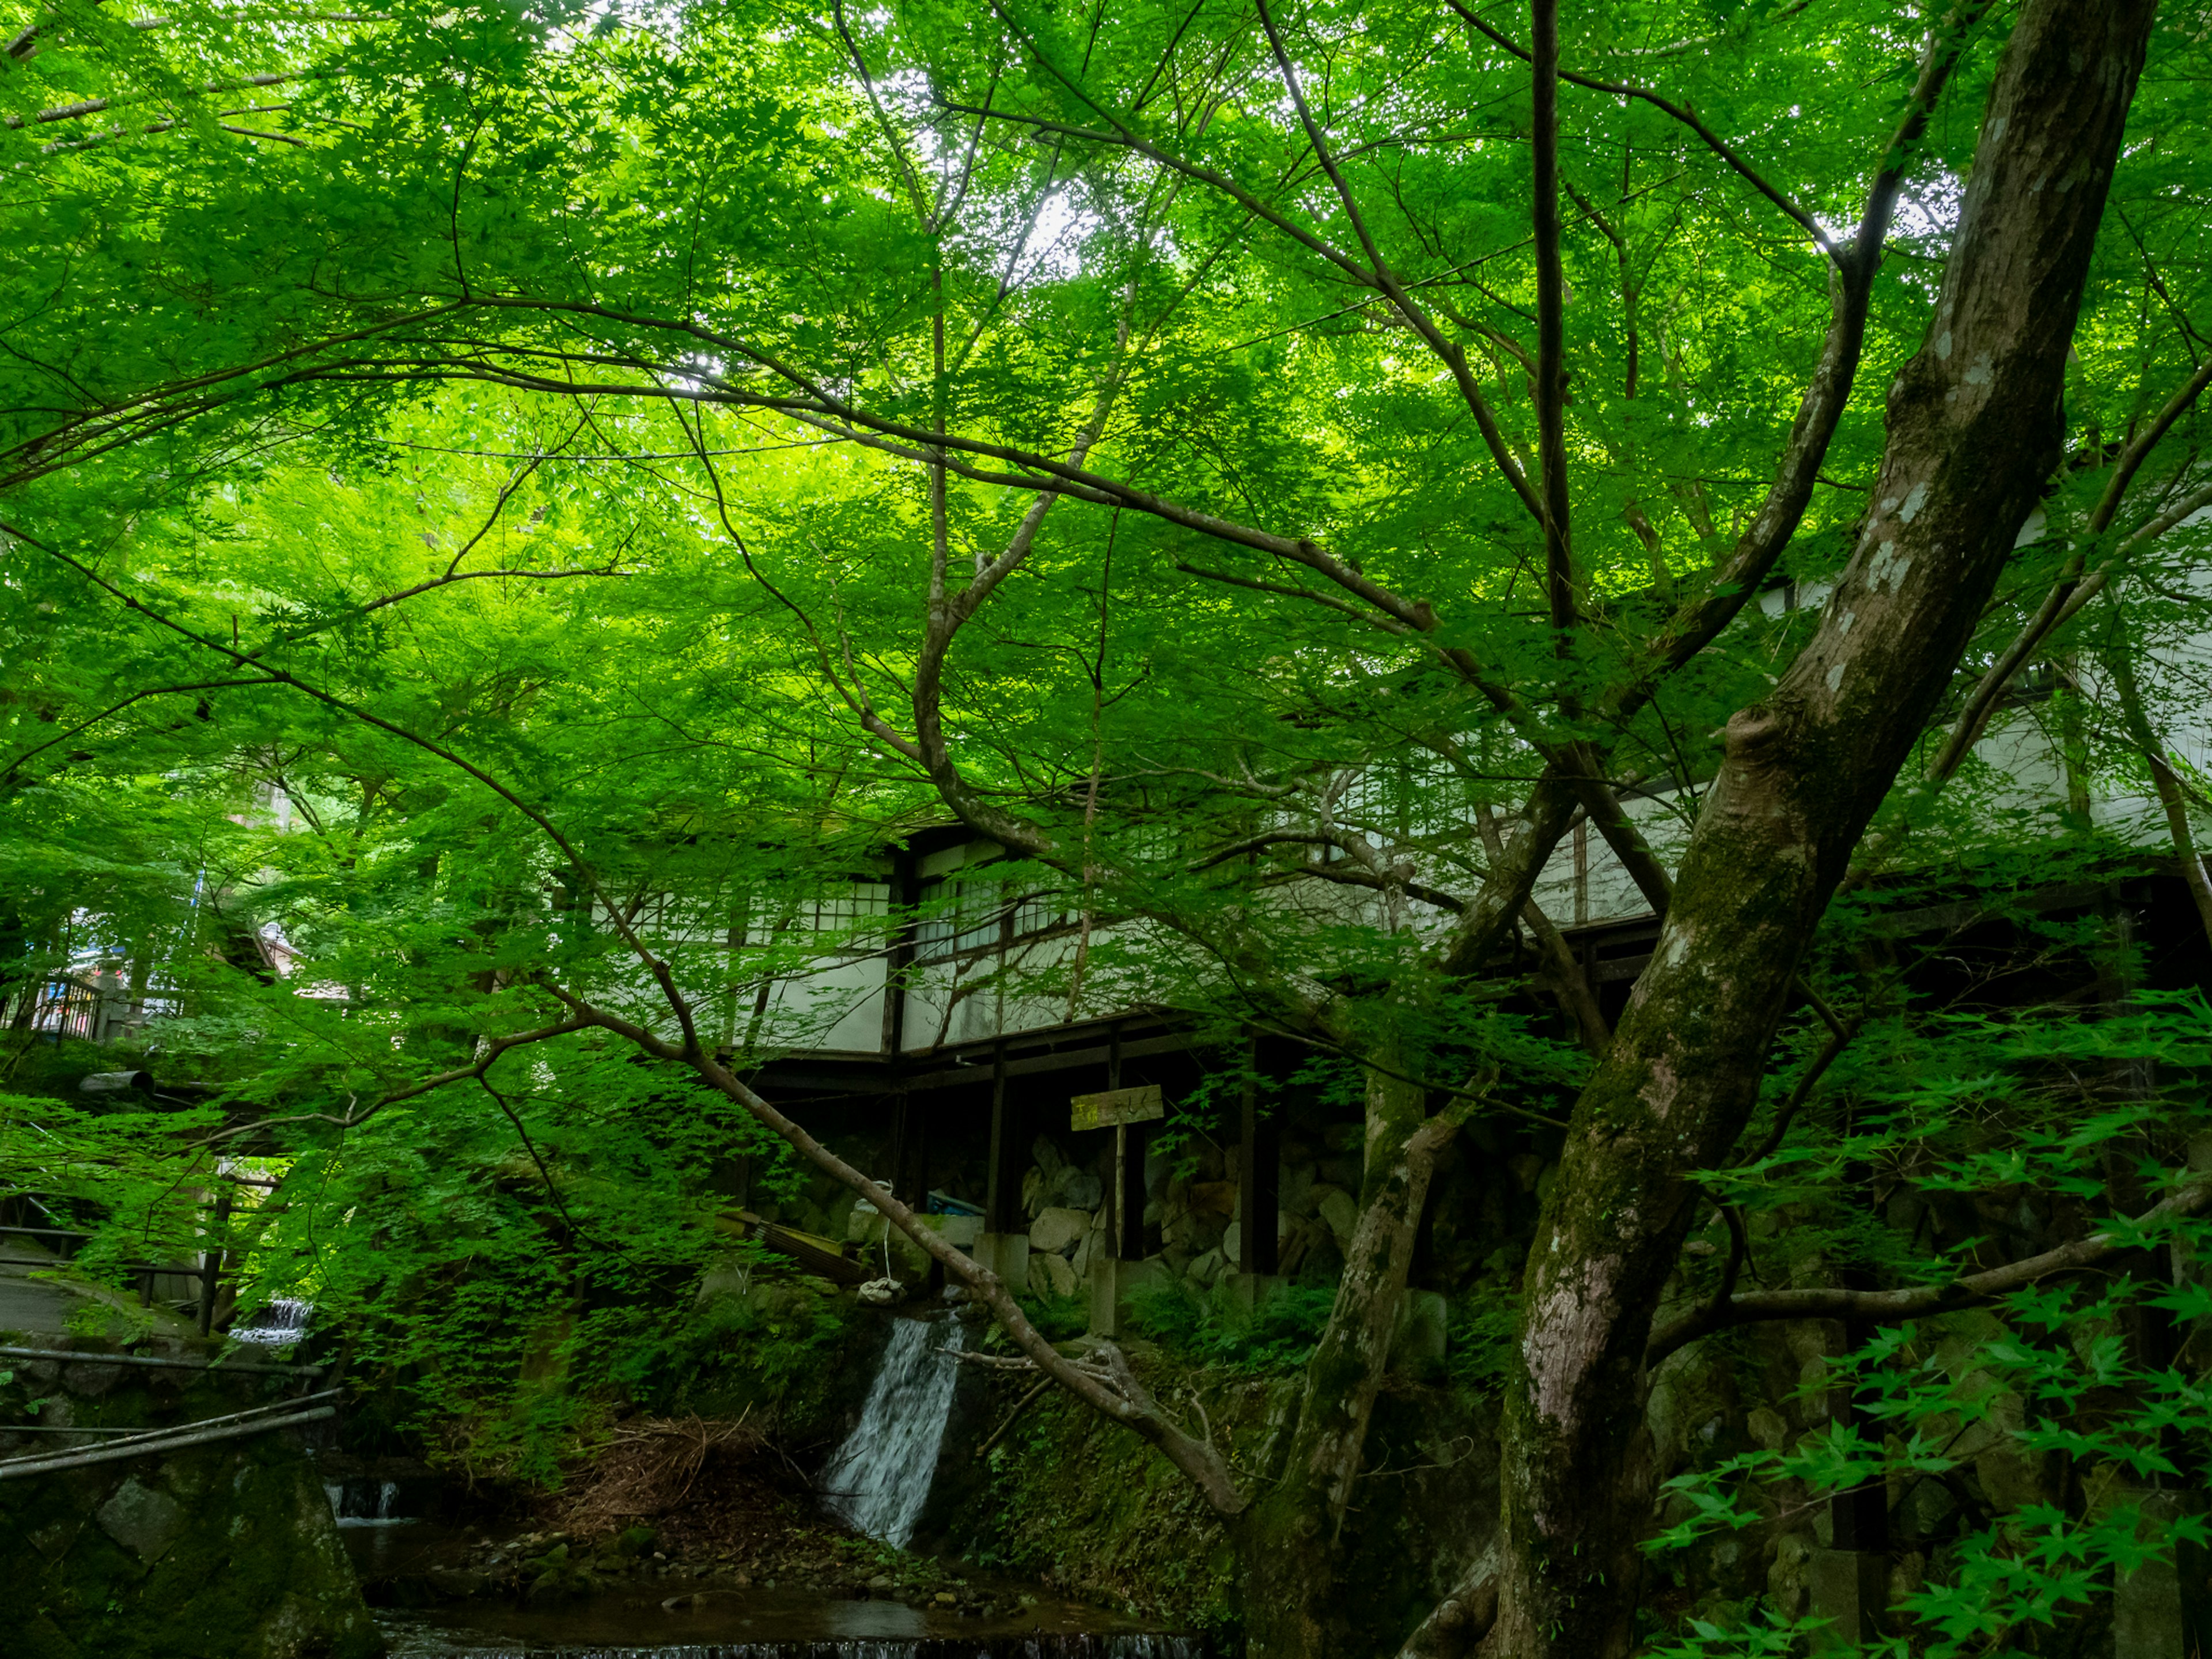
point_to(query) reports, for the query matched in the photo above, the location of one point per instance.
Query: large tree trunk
(1974, 432)
(1290, 1538)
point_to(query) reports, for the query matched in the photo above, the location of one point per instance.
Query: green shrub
(1216, 1328)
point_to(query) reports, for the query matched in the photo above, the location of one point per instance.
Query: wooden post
(1129, 1197)
(1002, 1201)
(1259, 1176)
(910, 1152)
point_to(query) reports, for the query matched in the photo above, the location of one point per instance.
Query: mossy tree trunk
(1290, 1538)
(1974, 434)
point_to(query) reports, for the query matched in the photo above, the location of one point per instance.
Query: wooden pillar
(1858, 1519)
(1002, 1201)
(1130, 1188)
(1259, 1176)
(909, 1151)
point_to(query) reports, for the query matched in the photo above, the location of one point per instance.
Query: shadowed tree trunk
(1289, 1537)
(1974, 434)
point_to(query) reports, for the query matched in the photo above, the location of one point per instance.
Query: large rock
(1077, 1189)
(1213, 1198)
(1058, 1229)
(1051, 1275)
(1339, 1212)
(1203, 1232)
(144, 1520)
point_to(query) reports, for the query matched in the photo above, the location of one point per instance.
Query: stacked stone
(1198, 1214)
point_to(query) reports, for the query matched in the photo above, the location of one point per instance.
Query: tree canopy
(510, 512)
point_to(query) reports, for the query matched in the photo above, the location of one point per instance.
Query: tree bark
(1289, 1538)
(1974, 431)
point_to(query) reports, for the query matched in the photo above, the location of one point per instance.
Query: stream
(769, 1625)
(877, 1482)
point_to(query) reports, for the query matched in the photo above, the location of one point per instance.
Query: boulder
(1047, 1156)
(143, 1519)
(1058, 1229)
(1339, 1213)
(1077, 1189)
(1050, 1275)
(1213, 1198)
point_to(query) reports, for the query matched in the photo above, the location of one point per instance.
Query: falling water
(279, 1320)
(361, 1502)
(879, 1478)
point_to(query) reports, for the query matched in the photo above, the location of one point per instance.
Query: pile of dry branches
(647, 1466)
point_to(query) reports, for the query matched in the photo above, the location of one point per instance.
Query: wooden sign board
(1114, 1107)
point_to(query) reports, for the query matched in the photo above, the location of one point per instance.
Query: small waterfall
(279, 1320)
(879, 1479)
(365, 1502)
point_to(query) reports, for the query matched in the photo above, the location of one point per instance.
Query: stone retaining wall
(225, 1551)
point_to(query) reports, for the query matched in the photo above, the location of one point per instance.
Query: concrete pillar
(1249, 1291)
(1111, 1283)
(1006, 1255)
(1850, 1588)
(2159, 1610)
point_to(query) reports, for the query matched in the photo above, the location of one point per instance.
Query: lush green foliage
(481, 506)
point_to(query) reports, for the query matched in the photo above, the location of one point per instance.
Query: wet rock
(457, 1582)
